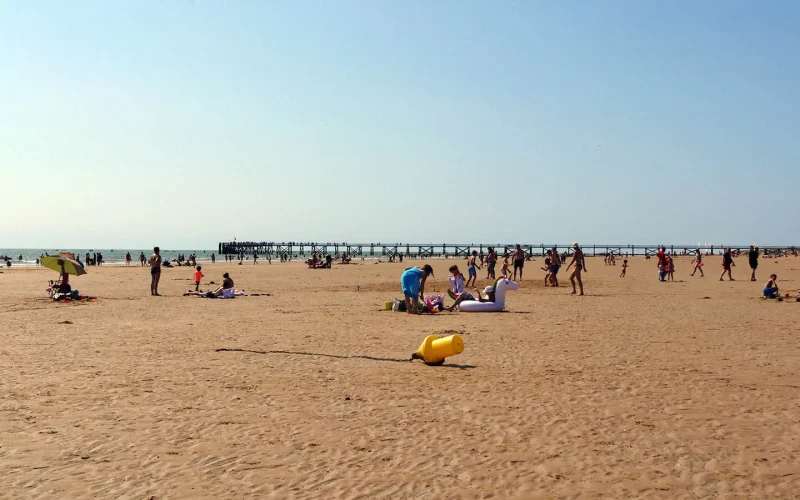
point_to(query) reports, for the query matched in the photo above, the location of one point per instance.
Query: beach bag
(228, 293)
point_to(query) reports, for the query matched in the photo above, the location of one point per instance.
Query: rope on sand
(301, 353)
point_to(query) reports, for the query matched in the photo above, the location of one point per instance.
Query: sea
(111, 256)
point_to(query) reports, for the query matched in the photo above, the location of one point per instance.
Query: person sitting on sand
(771, 288)
(488, 292)
(412, 282)
(227, 289)
(64, 286)
(457, 282)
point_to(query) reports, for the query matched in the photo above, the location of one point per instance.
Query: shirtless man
(555, 265)
(580, 265)
(491, 261)
(155, 271)
(519, 262)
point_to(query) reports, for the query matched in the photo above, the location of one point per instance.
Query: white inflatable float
(500, 287)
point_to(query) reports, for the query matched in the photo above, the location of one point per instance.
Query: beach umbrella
(71, 266)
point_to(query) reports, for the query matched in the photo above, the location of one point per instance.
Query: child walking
(670, 268)
(198, 275)
(698, 263)
(505, 271)
(471, 267)
(624, 268)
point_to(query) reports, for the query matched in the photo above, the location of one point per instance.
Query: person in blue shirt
(413, 284)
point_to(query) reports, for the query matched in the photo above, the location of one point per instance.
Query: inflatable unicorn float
(501, 285)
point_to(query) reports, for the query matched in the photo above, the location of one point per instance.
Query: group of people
(413, 279)
(319, 262)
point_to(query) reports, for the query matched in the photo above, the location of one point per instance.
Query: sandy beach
(668, 390)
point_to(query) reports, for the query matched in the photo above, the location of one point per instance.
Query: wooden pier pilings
(455, 250)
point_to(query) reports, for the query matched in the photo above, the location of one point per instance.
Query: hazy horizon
(183, 124)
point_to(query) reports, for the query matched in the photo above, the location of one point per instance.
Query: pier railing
(460, 250)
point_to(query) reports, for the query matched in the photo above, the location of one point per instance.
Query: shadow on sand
(336, 356)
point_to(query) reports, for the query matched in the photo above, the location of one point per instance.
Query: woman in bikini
(698, 263)
(580, 265)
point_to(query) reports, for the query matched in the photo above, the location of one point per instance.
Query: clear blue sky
(180, 124)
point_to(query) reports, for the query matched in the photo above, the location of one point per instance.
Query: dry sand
(640, 388)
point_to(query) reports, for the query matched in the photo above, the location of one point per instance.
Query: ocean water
(111, 256)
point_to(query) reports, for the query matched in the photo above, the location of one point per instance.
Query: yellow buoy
(434, 350)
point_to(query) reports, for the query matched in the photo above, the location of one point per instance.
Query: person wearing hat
(580, 265)
(488, 292)
(412, 282)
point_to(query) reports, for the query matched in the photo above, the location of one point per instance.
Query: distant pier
(459, 250)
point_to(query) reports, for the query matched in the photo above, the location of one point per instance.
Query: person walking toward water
(727, 262)
(519, 261)
(752, 256)
(412, 282)
(698, 263)
(472, 267)
(580, 266)
(128, 259)
(255, 259)
(155, 271)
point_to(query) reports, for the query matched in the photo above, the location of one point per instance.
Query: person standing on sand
(491, 260)
(412, 282)
(142, 258)
(752, 256)
(698, 263)
(213, 258)
(555, 265)
(519, 261)
(580, 265)
(727, 262)
(155, 271)
(472, 267)
(255, 259)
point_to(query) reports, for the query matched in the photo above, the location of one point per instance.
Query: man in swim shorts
(519, 262)
(555, 265)
(155, 271)
(412, 281)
